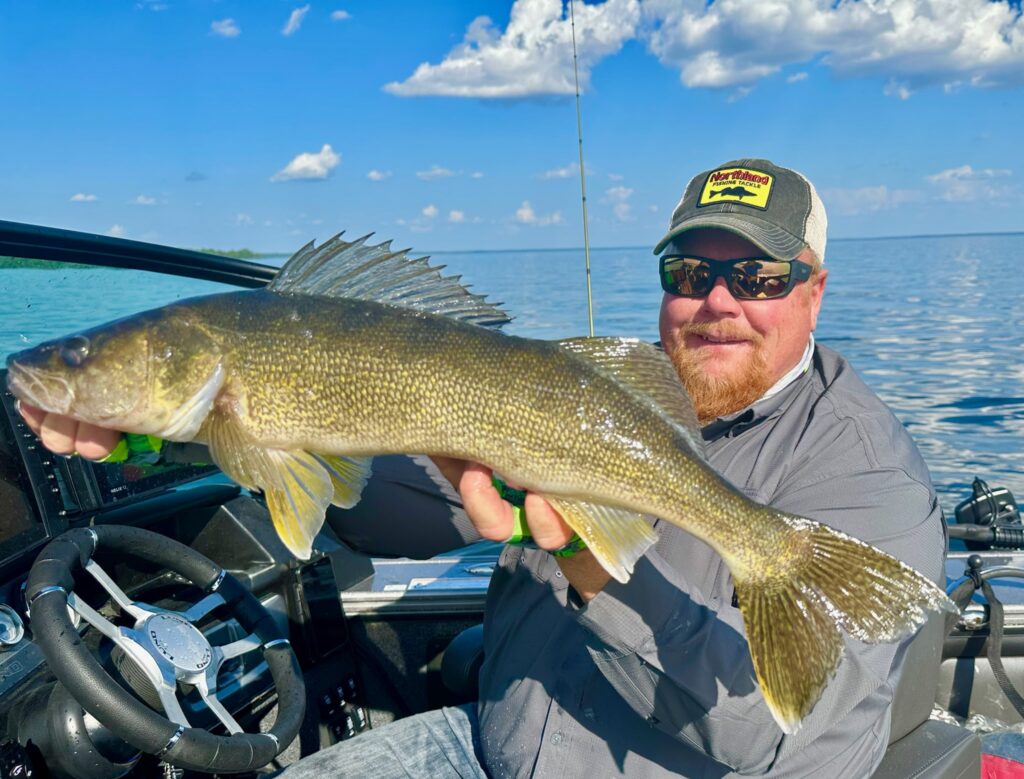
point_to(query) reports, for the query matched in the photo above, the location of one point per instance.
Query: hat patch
(737, 185)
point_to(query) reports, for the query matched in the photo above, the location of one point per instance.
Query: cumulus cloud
(225, 28)
(295, 20)
(310, 165)
(378, 175)
(117, 231)
(430, 211)
(340, 15)
(456, 216)
(915, 43)
(435, 172)
(527, 216)
(144, 200)
(82, 197)
(532, 56)
(911, 44)
(963, 184)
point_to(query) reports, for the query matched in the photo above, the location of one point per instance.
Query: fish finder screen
(117, 482)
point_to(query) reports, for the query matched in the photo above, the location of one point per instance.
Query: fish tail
(824, 582)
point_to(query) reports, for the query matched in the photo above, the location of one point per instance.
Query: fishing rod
(583, 181)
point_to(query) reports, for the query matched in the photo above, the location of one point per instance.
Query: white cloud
(117, 231)
(867, 200)
(430, 211)
(732, 44)
(533, 56)
(295, 20)
(82, 197)
(378, 175)
(561, 173)
(225, 28)
(310, 165)
(144, 200)
(243, 219)
(456, 216)
(619, 197)
(527, 216)
(340, 15)
(435, 172)
(964, 184)
(796, 77)
(476, 174)
(913, 43)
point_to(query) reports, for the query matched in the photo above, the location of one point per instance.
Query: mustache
(723, 330)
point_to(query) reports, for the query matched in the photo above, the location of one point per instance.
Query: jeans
(440, 744)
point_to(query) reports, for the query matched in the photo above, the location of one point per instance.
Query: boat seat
(918, 747)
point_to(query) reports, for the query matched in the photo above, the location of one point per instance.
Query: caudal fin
(794, 617)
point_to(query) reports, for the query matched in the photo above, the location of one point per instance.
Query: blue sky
(452, 125)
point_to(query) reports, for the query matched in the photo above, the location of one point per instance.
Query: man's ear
(817, 293)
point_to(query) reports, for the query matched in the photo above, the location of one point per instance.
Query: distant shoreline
(14, 263)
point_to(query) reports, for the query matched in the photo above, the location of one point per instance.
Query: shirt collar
(763, 407)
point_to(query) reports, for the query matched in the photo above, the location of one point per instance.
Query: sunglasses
(752, 278)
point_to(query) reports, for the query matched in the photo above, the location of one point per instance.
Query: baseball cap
(773, 207)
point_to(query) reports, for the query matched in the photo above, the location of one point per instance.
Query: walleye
(354, 350)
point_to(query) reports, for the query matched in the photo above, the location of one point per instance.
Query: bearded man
(587, 677)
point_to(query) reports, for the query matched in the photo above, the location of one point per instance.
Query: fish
(740, 192)
(355, 350)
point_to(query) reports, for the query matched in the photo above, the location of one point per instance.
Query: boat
(193, 642)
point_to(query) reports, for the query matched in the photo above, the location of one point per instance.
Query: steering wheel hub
(179, 642)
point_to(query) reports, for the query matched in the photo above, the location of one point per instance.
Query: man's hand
(64, 435)
(492, 517)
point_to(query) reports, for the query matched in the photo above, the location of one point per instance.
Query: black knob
(975, 561)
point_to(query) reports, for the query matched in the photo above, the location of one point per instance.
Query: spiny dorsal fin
(373, 272)
(647, 369)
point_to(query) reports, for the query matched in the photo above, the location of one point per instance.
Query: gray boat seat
(918, 747)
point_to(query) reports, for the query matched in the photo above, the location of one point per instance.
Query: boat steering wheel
(166, 646)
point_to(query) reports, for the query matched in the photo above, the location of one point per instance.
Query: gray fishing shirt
(653, 678)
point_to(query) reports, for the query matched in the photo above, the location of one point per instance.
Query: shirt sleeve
(674, 647)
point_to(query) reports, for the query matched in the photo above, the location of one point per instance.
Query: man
(584, 676)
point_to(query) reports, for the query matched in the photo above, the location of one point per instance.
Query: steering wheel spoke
(94, 618)
(197, 611)
(137, 610)
(243, 645)
(207, 689)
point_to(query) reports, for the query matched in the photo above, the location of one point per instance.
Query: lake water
(934, 325)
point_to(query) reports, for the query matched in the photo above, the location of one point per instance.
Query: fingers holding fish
(64, 435)
(492, 516)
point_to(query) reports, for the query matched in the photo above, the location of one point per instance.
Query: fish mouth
(45, 390)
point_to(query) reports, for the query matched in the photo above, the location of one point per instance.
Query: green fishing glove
(521, 531)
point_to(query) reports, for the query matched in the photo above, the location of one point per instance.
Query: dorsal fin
(373, 272)
(646, 369)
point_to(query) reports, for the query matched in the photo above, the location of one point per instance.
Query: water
(934, 325)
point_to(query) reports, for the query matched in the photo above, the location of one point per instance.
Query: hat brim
(778, 243)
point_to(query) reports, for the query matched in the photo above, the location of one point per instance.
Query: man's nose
(720, 301)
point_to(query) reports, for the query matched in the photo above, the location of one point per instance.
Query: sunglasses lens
(686, 276)
(760, 279)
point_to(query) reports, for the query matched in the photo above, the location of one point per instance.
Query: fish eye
(74, 351)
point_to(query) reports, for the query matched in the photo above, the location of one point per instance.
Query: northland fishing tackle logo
(737, 185)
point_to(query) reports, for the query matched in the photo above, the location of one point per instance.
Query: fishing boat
(193, 642)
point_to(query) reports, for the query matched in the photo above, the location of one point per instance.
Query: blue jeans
(440, 744)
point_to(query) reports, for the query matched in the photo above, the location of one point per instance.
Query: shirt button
(556, 737)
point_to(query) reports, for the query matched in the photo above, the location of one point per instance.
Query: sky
(451, 125)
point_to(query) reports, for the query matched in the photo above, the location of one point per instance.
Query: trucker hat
(773, 207)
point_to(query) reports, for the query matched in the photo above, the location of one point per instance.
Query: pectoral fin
(296, 484)
(617, 537)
